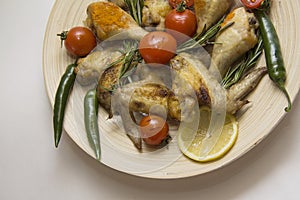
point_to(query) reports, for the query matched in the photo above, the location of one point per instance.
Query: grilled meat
(154, 13)
(190, 72)
(107, 19)
(187, 70)
(234, 41)
(138, 96)
(106, 85)
(206, 87)
(143, 96)
(92, 66)
(236, 93)
(209, 12)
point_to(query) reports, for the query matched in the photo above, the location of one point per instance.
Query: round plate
(267, 102)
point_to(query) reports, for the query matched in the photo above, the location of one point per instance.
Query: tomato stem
(181, 7)
(63, 36)
(166, 141)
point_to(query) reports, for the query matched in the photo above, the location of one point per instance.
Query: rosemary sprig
(129, 60)
(135, 9)
(204, 37)
(235, 73)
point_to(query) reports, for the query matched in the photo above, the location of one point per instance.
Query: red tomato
(252, 3)
(181, 24)
(157, 47)
(79, 41)
(154, 129)
(175, 3)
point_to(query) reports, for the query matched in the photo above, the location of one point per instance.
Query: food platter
(267, 102)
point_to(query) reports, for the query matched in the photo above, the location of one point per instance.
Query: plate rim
(67, 126)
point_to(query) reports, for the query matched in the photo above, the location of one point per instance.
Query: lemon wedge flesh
(191, 145)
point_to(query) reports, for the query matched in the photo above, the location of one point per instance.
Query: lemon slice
(191, 144)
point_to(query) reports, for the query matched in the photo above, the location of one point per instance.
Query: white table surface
(32, 169)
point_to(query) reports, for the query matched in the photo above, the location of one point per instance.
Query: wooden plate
(267, 105)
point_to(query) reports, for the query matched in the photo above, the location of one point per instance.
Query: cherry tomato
(252, 3)
(157, 47)
(154, 129)
(175, 3)
(79, 41)
(181, 24)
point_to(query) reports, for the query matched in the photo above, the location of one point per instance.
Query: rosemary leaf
(131, 58)
(129, 61)
(135, 9)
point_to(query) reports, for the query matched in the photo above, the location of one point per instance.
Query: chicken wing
(107, 19)
(107, 84)
(92, 66)
(210, 11)
(236, 93)
(154, 13)
(234, 41)
(207, 88)
(143, 94)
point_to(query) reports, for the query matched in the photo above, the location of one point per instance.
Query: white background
(32, 169)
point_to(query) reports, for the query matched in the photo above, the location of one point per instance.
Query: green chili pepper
(273, 55)
(91, 121)
(61, 98)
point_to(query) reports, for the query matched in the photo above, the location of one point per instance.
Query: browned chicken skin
(235, 40)
(106, 84)
(209, 12)
(154, 13)
(205, 84)
(107, 19)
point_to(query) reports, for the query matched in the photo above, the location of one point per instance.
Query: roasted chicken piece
(143, 94)
(234, 41)
(209, 12)
(107, 19)
(92, 66)
(190, 72)
(207, 88)
(107, 84)
(154, 13)
(186, 68)
(236, 93)
(140, 96)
